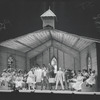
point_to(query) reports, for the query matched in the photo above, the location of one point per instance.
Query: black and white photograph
(50, 47)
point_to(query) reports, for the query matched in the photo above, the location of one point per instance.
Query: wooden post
(57, 60)
(42, 58)
(49, 55)
(63, 60)
(74, 63)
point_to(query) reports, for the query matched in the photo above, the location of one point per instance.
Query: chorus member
(78, 84)
(55, 69)
(51, 71)
(69, 76)
(45, 78)
(59, 78)
(31, 79)
(91, 80)
(51, 76)
(38, 74)
(3, 77)
(25, 81)
(66, 78)
(90, 71)
(18, 82)
(85, 74)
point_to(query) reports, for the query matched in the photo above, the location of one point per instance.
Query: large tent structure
(40, 47)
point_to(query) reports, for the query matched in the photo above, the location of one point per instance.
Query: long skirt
(29, 80)
(77, 85)
(90, 81)
(18, 84)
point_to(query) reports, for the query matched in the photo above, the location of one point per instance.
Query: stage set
(48, 47)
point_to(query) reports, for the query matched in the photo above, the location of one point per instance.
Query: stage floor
(85, 90)
(53, 91)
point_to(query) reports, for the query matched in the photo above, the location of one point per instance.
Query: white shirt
(59, 75)
(55, 69)
(38, 74)
(44, 73)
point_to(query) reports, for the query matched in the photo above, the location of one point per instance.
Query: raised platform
(53, 91)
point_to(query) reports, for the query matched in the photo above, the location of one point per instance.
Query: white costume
(3, 78)
(44, 72)
(78, 84)
(55, 69)
(91, 79)
(38, 74)
(31, 77)
(54, 64)
(59, 78)
(8, 78)
(18, 82)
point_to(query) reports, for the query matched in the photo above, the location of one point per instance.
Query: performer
(85, 74)
(38, 74)
(18, 82)
(25, 81)
(68, 76)
(3, 77)
(54, 64)
(55, 69)
(51, 76)
(90, 71)
(78, 82)
(91, 80)
(51, 71)
(31, 79)
(59, 78)
(45, 78)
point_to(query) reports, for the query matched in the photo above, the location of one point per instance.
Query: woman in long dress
(18, 82)
(31, 79)
(91, 80)
(78, 84)
(3, 77)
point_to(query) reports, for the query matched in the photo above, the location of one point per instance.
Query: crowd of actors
(47, 78)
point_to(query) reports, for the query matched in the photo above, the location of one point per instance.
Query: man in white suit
(59, 78)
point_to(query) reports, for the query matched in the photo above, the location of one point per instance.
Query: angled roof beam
(50, 34)
(23, 44)
(39, 46)
(66, 45)
(38, 49)
(76, 42)
(65, 49)
(84, 37)
(51, 37)
(38, 52)
(39, 40)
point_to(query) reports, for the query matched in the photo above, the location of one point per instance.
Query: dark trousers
(44, 82)
(51, 86)
(66, 84)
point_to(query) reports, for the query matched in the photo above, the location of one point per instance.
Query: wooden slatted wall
(92, 51)
(18, 56)
(64, 60)
(83, 56)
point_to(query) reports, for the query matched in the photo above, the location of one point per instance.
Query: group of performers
(47, 77)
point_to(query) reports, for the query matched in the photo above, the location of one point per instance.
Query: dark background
(73, 16)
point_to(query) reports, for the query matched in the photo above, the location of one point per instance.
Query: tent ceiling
(33, 40)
